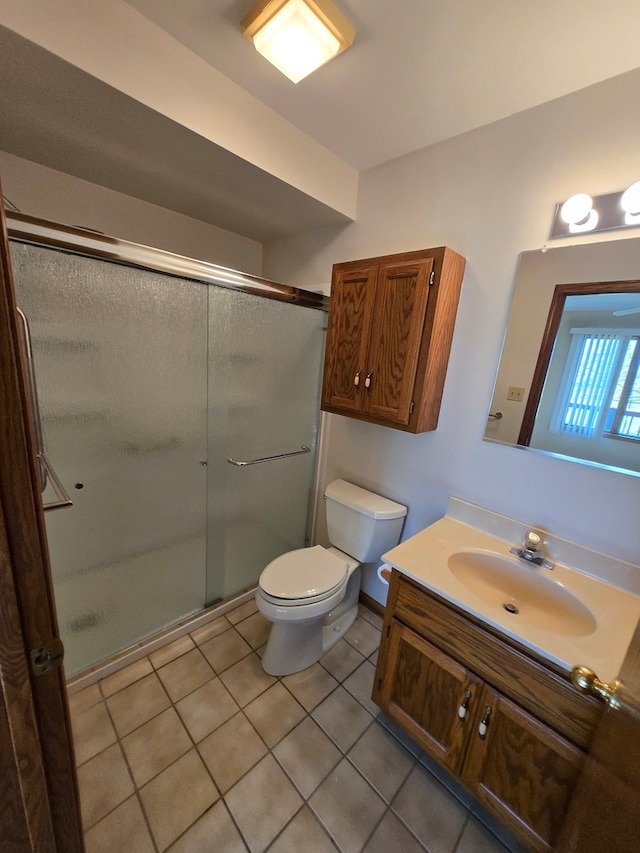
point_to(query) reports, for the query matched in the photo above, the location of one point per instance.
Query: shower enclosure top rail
(241, 464)
(93, 244)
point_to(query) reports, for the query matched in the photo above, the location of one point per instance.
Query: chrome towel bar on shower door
(47, 474)
(240, 464)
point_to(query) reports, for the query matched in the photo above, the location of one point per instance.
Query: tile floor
(195, 749)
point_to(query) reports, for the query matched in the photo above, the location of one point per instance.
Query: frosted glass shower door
(264, 384)
(121, 365)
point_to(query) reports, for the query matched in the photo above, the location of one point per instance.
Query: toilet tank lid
(368, 503)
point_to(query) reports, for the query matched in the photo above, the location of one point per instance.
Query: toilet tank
(361, 523)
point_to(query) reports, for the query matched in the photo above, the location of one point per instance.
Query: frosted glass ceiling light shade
(581, 213)
(297, 36)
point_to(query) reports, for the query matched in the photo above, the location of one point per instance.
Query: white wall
(48, 194)
(489, 194)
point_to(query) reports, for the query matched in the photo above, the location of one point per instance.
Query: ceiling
(419, 72)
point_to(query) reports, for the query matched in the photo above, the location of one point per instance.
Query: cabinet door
(399, 316)
(429, 694)
(521, 770)
(352, 300)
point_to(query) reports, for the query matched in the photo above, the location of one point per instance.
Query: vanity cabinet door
(429, 694)
(520, 769)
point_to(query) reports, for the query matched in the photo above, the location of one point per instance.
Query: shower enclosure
(179, 405)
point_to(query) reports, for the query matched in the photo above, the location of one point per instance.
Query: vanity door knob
(368, 380)
(356, 380)
(462, 710)
(484, 722)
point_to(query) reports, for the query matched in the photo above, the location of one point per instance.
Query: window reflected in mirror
(569, 377)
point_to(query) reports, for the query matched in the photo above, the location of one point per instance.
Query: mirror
(568, 382)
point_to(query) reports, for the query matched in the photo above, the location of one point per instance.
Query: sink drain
(510, 608)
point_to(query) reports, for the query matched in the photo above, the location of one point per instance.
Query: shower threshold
(140, 650)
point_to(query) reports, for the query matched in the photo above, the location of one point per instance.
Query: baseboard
(371, 603)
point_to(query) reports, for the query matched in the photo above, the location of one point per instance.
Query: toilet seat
(303, 576)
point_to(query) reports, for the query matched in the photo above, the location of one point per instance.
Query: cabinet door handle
(368, 380)
(462, 710)
(356, 380)
(484, 723)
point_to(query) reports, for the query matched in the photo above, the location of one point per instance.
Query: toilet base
(294, 646)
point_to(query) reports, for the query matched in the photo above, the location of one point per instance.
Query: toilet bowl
(311, 594)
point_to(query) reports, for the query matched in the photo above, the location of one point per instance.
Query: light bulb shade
(297, 36)
(630, 200)
(576, 209)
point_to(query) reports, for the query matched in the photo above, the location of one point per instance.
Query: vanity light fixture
(581, 213)
(297, 36)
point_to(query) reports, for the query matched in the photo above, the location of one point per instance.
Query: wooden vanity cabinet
(391, 323)
(511, 730)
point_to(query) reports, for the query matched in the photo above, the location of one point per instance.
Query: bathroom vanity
(484, 699)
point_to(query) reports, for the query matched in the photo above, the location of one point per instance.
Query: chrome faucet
(531, 550)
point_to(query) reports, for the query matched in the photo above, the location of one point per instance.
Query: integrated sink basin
(527, 592)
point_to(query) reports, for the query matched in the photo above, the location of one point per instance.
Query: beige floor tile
(307, 755)
(392, 835)
(206, 708)
(342, 717)
(177, 798)
(171, 651)
(262, 803)
(210, 630)
(104, 783)
(214, 832)
(121, 831)
(242, 612)
(92, 732)
(246, 680)
(303, 833)
(231, 750)
(476, 838)
(348, 807)
(363, 636)
(155, 745)
(360, 685)
(255, 630)
(382, 760)
(311, 685)
(137, 703)
(341, 660)
(391, 726)
(84, 699)
(431, 812)
(274, 713)
(374, 657)
(225, 650)
(126, 676)
(374, 618)
(185, 674)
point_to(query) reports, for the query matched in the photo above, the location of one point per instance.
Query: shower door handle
(46, 469)
(242, 463)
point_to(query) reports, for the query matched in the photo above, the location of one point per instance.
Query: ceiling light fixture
(297, 36)
(581, 213)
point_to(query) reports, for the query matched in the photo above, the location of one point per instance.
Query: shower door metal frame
(91, 244)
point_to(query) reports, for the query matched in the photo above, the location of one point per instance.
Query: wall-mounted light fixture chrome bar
(583, 214)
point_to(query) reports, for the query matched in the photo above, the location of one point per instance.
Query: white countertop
(424, 558)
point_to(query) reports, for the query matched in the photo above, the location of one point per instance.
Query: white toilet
(311, 594)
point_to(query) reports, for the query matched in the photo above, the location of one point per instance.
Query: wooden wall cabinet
(513, 731)
(391, 323)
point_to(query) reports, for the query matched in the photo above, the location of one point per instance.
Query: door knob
(585, 679)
